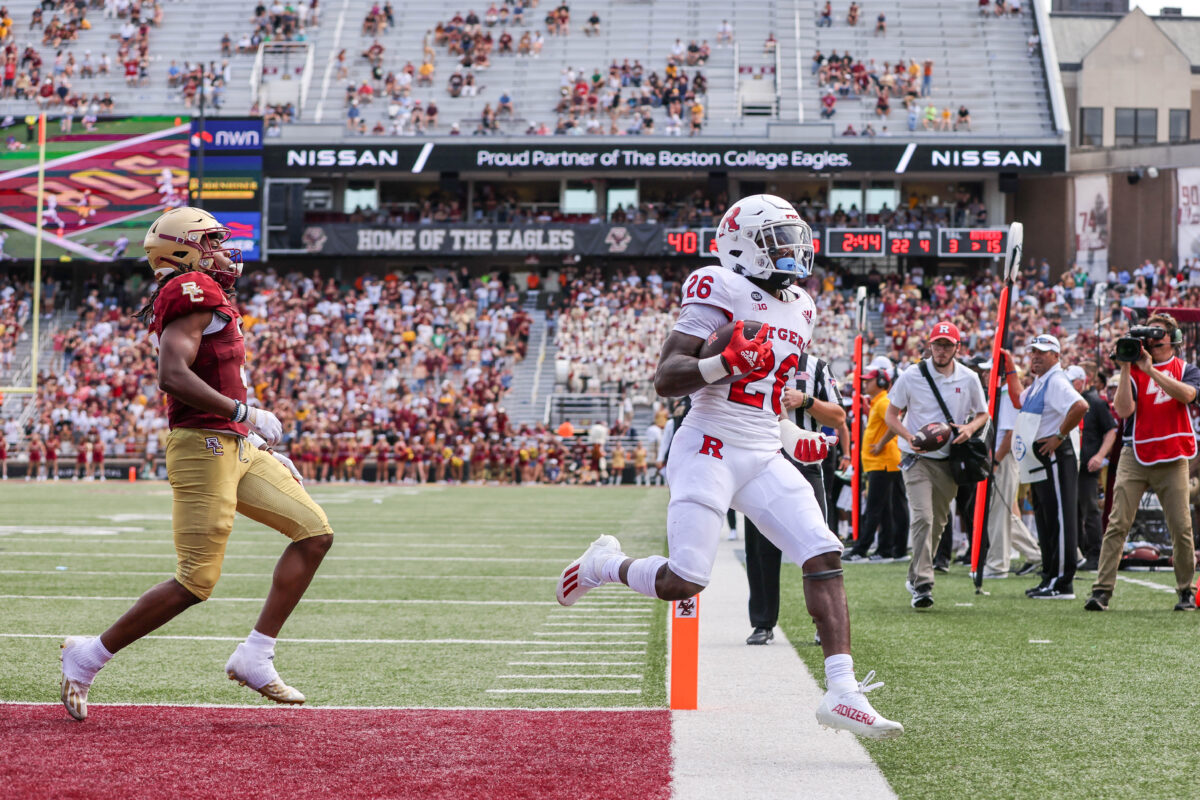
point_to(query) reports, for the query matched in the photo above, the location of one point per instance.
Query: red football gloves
(744, 355)
(807, 447)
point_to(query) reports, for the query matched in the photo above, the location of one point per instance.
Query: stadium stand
(979, 63)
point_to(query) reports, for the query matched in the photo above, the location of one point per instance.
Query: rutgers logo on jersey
(747, 410)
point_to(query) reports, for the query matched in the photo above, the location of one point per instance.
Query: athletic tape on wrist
(712, 369)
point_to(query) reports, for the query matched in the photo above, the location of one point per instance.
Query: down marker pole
(685, 653)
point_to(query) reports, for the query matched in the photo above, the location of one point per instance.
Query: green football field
(443, 597)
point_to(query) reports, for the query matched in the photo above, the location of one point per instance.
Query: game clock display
(861, 242)
(972, 242)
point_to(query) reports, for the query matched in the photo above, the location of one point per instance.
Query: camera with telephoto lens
(1129, 347)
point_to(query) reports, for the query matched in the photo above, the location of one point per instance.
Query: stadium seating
(981, 63)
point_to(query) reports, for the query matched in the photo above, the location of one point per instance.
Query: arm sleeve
(898, 394)
(978, 401)
(709, 286)
(1191, 376)
(698, 319)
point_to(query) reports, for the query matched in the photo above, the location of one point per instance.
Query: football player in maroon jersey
(214, 463)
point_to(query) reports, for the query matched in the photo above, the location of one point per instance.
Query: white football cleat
(73, 693)
(852, 712)
(583, 574)
(273, 689)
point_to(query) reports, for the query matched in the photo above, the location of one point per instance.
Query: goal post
(35, 310)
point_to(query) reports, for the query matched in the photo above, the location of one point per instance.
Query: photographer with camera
(1155, 388)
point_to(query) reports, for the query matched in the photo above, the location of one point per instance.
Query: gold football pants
(214, 475)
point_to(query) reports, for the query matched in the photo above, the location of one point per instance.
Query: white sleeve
(698, 319)
(1062, 394)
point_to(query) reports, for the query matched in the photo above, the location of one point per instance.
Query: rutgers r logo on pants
(711, 446)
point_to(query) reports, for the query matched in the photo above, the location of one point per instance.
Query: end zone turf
(171, 751)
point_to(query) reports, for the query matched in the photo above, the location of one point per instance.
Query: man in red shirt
(214, 464)
(1158, 441)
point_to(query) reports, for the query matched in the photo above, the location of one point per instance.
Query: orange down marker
(685, 653)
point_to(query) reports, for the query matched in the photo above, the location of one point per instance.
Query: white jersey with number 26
(746, 412)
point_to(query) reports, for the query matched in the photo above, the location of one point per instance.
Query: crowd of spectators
(622, 100)
(14, 319)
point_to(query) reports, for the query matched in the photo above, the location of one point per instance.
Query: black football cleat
(1097, 602)
(1187, 600)
(761, 636)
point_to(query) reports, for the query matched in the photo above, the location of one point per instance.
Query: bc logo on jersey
(214, 444)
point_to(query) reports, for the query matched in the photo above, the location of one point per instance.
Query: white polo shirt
(1052, 396)
(961, 391)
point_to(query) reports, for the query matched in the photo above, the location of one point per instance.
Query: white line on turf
(329, 641)
(573, 663)
(578, 624)
(319, 576)
(572, 675)
(580, 632)
(573, 653)
(309, 708)
(331, 600)
(1148, 584)
(564, 691)
(275, 557)
(77, 538)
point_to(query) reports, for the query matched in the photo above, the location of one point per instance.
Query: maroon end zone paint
(256, 752)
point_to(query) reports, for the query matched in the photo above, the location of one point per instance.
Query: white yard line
(583, 633)
(234, 557)
(573, 663)
(573, 653)
(309, 708)
(564, 691)
(1148, 584)
(516, 642)
(319, 576)
(329, 600)
(571, 676)
(756, 714)
(640, 624)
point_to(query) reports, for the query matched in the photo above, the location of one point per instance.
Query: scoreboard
(867, 242)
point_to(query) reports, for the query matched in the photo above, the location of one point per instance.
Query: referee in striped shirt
(814, 403)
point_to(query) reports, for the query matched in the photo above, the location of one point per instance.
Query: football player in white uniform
(726, 453)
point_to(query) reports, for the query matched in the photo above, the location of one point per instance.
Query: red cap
(944, 330)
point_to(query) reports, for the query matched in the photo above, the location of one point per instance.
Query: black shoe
(1049, 593)
(1187, 600)
(1097, 602)
(1032, 589)
(1089, 565)
(1027, 567)
(941, 566)
(760, 636)
(922, 596)
(964, 559)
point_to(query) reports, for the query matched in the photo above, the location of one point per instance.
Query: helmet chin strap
(775, 282)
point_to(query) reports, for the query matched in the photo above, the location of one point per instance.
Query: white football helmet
(763, 236)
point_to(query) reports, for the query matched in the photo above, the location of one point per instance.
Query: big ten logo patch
(214, 444)
(688, 608)
(711, 446)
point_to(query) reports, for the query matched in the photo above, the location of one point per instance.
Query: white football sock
(642, 574)
(260, 644)
(85, 660)
(839, 673)
(610, 570)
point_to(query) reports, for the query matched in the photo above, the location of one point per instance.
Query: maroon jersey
(221, 355)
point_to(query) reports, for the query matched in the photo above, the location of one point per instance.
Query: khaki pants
(930, 489)
(1170, 482)
(1005, 529)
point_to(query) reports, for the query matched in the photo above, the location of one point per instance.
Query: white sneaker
(852, 712)
(73, 693)
(583, 574)
(733, 534)
(273, 688)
